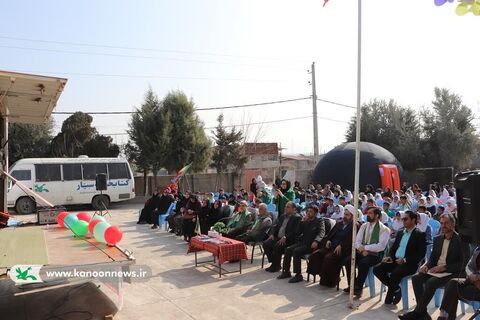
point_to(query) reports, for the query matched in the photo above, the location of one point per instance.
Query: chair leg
(314, 277)
(253, 250)
(438, 297)
(263, 259)
(308, 277)
(404, 288)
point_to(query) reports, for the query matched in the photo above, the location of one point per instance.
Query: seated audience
(467, 289)
(282, 195)
(338, 213)
(163, 204)
(238, 223)
(258, 231)
(282, 235)
(310, 232)
(334, 250)
(190, 213)
(150, 205)
(448, 255)
(371, 241)
(404, 257)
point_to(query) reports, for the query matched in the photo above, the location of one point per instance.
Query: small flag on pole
(325, 2)
(181, 173)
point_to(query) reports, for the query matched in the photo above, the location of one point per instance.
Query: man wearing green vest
(283, 195)
(371, 241)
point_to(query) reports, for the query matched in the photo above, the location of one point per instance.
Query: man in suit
(282, 235)
(449, 254)
(465, 289)
(405, 255)
(311, 231)
(334, 249)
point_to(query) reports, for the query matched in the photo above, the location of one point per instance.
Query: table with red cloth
(226, 250)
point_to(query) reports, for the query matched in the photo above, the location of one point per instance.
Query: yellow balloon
(476, 8)
(462, 9)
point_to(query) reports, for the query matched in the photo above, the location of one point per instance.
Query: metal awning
(28, 98)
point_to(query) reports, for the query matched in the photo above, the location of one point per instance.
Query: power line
(155, 76)
(148, 49)
(146, 57)
(251, 123)
(336, 103)
(199, 109)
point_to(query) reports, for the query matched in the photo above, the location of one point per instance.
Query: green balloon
(99, 231)
(80, 228)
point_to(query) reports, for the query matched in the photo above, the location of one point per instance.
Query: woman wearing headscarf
(338, 213)
(215, 213)
(378, 199)
(348, 196)
(451, 206)
(190, 214)
(204, 216)
(253, 186)
(283, 195)
(431, 205)
(423, 226)
(444, 197)
(395, 202)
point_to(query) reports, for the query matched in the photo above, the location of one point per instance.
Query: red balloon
(83, 216)
(92, 225)
(60, 217)
(113, 235)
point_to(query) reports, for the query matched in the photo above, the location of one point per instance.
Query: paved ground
(177, 290)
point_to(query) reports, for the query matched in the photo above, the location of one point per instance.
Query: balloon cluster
(464, 6)
(81, 224)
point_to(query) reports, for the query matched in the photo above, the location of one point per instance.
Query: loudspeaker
(467, 186)
(101, 182)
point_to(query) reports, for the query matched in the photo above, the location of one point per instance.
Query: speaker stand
(102, 212)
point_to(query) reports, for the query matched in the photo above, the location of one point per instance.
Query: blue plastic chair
(403, 287)
(438, 300)
(435, 225)
(371, 282)
(162, 219)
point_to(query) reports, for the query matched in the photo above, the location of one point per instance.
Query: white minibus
(69, 181)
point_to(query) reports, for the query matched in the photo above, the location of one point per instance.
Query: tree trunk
(145, 172)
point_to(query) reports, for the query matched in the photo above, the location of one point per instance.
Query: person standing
(283, 195)
(405, 255)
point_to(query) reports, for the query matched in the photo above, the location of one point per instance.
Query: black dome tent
(338, 165)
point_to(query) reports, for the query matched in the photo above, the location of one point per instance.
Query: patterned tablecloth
(229, 250)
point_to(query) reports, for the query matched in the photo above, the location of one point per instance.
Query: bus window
(47, 172)
(22, 175)
(90, 170)
(72, 171)
(118, 171)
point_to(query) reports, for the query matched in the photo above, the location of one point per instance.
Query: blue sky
(263, 48)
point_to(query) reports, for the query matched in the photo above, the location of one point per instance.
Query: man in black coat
(282, 235)
(310, 232)
(449, 254)
(403, 259)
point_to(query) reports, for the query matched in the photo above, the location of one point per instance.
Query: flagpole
(357, 150)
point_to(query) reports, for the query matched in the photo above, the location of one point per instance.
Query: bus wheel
(100, 202)
(25, 205)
